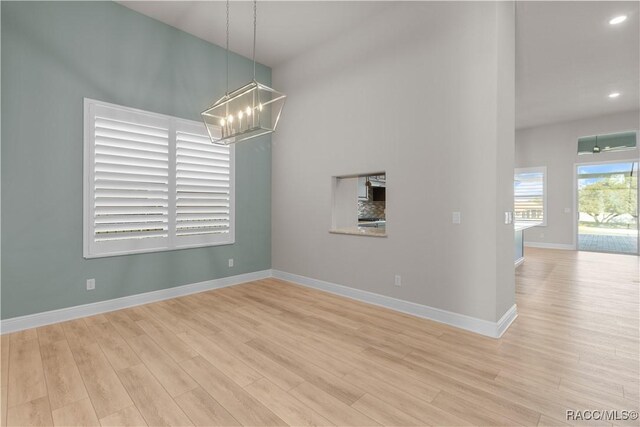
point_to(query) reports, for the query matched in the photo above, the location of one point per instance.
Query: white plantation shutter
(153, 183)
(203, 186)
(530, 194)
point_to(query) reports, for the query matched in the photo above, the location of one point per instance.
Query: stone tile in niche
(370, 209)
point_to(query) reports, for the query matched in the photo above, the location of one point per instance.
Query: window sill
(88, 255)
(361, 231)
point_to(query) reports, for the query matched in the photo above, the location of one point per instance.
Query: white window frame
(161, 244)
(543, 170)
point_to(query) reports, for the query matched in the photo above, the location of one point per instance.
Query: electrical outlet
(567, 210)
(91, 284)
(398, 280)
(230, 262)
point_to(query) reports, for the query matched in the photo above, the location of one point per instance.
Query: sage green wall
(53, 55)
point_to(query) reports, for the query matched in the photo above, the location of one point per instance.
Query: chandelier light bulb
(221, 122)
(240, 114)
(230, 118)
(248, 111)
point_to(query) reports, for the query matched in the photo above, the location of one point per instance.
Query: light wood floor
(272, 353)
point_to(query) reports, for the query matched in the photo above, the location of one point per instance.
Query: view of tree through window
(608, 206)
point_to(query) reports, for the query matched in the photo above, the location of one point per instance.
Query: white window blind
(530, 194)
(203, 186)
(153, 183)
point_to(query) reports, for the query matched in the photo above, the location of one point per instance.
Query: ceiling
(568, 57)
(285, 28)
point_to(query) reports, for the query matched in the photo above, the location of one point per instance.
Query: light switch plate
(567, 210)
(456, 217)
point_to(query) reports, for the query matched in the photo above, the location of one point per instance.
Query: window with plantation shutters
(530, 187)
(153, 183)
(203, 185)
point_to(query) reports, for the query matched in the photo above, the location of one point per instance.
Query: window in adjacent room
(153, 183)
(597, 144)
(530, 195)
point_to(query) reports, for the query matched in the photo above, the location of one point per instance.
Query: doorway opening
(607, 202)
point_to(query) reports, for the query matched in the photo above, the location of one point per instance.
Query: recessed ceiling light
(618, 20)
(614, 94)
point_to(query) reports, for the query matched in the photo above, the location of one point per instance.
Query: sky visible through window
(589, 174)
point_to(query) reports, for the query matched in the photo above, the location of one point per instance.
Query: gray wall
(53, 55)
(431, 104)
(505, 140)
(556, 147)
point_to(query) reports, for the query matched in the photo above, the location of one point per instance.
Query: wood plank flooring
(274, 353)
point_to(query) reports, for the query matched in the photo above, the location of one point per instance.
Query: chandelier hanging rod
(227, 90)
(247, 112)
(255, 25)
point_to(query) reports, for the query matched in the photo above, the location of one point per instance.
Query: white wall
(556, 147)
(505, 281)
(425, 93)
(345, 203)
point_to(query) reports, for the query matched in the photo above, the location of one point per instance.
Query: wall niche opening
(360, 204)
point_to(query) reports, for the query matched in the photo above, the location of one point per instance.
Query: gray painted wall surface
(431, 104)
(505, 140)
(556, 147)
(53, 55)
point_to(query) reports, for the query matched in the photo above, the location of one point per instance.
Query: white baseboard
(55, 316)
(479, 326)
(543, 245)
(473, 324)
(506, 320)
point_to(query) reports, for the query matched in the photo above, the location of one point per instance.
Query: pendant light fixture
(596, 148)
(247, 112)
